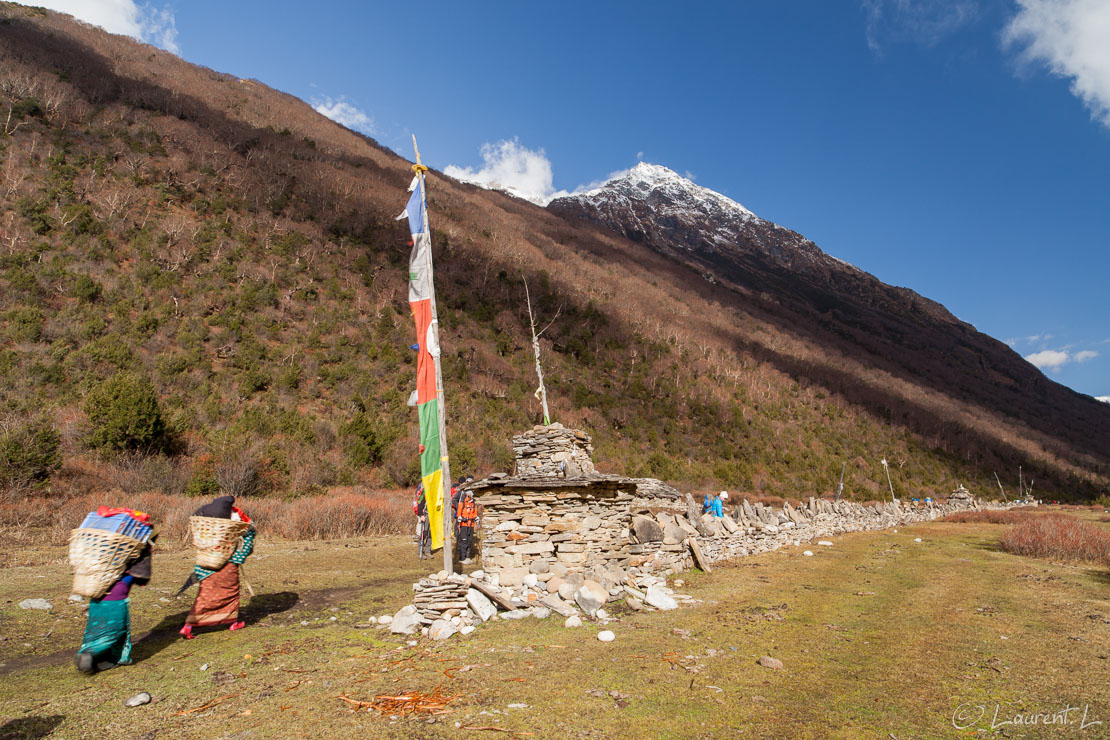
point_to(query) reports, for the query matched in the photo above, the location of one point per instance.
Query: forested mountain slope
(225, 254)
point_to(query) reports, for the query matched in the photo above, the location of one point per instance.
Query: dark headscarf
(220, 508)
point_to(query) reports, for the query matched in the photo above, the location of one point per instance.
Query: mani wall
(557, 509)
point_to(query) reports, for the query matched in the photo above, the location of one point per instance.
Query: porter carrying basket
(215, 539)
(99, 558)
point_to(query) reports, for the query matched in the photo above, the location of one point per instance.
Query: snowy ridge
(646, 177)
(658, 206)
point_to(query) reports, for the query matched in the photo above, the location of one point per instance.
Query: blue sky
(960, 148)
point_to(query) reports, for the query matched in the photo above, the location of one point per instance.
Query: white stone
(808, 553)
(530, 580)
(478, 575)
(405, 621)
(77, 599)
(507, 526)
(541, 612)
(466, 629)
(481, 605)
(41, 604)
(679, 582)
(441, 629)
(606, 636)
(138, 700)
(385, 619)
(573, 621)
(824, 543)
(656, 596)
(591, 596)
(917, 539)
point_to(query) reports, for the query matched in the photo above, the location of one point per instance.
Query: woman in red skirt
(217, 601)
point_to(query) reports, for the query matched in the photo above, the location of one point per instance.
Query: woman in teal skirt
(107, 641)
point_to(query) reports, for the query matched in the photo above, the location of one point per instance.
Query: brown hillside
(237, 251)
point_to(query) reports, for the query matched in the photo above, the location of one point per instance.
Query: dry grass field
(880, 636)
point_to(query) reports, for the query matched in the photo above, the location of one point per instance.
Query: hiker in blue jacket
(717, 508)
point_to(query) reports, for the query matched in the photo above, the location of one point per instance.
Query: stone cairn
(553, 452)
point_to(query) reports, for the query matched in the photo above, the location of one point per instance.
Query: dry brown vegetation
(237, 250)
(1009, 516)
(340, 513)
(1058, 537)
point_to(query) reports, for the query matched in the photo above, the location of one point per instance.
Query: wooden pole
(1000, 488)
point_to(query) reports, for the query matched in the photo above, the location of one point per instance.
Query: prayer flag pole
(435, 469)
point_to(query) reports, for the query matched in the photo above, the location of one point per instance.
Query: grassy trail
(880, 636)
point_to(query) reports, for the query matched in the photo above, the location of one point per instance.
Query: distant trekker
(717, 508)
(423, 529)
(456, 495)
(467, 518)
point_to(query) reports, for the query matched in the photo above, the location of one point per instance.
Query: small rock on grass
(41, 604)
(917, 539)
(138, 700)
(768, 662)
(808, 553)
(824, 543)
(573, 621)
(606, 636)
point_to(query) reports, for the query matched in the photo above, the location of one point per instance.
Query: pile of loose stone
(448, 603)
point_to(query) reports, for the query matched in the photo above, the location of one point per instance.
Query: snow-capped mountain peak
(645, 179)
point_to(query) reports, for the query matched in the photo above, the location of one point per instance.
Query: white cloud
(344, 114)
(924, 22)
(1049, 359)
(1072, 39)
(1104, 399)
(1054, 359)
(138, 20)
(506, 165)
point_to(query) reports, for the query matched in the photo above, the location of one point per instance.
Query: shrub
(86, 290)
(366, 441)
(124, 414)
(24, 324)
(1059, 538)
(28, 456)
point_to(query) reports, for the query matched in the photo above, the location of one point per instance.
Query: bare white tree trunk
(541, 392)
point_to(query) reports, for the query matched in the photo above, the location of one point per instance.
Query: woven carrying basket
(99, 558)
(215, 539)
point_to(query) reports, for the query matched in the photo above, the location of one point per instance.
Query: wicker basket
(215, 539)
(99, 558)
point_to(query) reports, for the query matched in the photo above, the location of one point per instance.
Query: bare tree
(541, 392)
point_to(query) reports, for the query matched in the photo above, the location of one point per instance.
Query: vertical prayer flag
(433, 452)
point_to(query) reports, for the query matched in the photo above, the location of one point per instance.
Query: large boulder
(646, 529)
(591, 596)
(405, 622)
